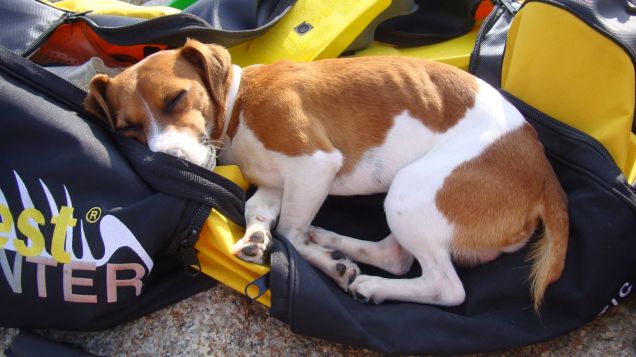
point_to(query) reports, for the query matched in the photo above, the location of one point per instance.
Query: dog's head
(173, 101)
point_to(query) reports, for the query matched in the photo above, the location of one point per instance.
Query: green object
(181, 4)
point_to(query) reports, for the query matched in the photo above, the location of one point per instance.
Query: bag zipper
(29, 51)
(69, 17)
(575, 134)
(184, 242)
(126, 28)
(561, 127)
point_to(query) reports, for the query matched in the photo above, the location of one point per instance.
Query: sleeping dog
(465, 175)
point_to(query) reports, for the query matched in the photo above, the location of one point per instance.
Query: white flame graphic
(114, 233)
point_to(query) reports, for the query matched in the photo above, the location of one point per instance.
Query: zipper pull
(73, 16)
(186, 239)
(188, 254)
(262, 284)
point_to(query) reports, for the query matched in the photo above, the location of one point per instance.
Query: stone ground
(221, 322)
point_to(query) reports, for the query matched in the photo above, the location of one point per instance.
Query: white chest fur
(253, 158)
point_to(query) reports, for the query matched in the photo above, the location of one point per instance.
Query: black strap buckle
(262, 284)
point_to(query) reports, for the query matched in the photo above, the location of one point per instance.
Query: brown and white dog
(466, 176)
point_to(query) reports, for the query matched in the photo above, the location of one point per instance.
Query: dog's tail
(548, 253)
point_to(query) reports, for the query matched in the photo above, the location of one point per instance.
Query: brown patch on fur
(213, 64)
(95, 103)
(494, 199)
(498, 199)
(202, 71)
(348, 104)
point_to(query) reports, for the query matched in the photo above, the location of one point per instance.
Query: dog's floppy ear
(213, 63)
(95, 102)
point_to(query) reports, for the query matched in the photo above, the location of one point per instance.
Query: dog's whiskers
(216, 143)
(215, 146)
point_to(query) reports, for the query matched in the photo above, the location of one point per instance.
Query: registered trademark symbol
(94, 214)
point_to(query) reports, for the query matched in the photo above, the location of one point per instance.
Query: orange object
(483, 10)
(75, 43)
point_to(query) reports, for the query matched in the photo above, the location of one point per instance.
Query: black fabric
(487, 56)
(498, 312)
(210, 21)
(239, 15)
(85, 228)
(434, 21)
(171, 30)
(27, 23)
(366, 37)
(28, 344)
(161, 171)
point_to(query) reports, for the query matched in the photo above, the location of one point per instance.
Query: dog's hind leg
(331, 262)
(439, 283)
(386, 254)
(419, 227)
(439, 286)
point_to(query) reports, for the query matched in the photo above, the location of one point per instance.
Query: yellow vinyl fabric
(563, 67)
(455, 52)
(216, 240)
(113, 7)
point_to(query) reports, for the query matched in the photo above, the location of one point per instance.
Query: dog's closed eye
(130, 128)
(126, 127)
(171, 101)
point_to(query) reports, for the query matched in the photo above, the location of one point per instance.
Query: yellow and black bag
(168, 202)
(574, 61)
(571, 60)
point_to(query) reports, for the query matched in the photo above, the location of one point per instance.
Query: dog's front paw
(344, 271)
(255, 245)
(364, 289)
